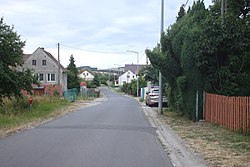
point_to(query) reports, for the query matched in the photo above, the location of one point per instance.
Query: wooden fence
(230, 112)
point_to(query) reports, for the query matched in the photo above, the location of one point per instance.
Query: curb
(177, 150)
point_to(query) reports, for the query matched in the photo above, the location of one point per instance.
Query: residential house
(131, 71)
(86, 75)
(127, 77)
(45, 66)
(135, 68)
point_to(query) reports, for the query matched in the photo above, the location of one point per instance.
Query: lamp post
(137, 81)
(160, 111)
(118, 68)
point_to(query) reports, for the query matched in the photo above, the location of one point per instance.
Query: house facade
(131, 71)
(127, 77)
(45, 66)
(86, 75)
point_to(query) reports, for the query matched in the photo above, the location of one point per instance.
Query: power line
(95, 51)
(52, 46)
(103, 52)
(141, 56)
(127, 59)
(186, 4)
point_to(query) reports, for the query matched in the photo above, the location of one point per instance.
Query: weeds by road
(16, 117)
(218, 146)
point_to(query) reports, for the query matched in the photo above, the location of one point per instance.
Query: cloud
(101, 26)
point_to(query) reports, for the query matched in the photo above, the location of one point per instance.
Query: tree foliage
(73, 80)
(203, 52)
(96, 81)
(150, 74)
(131, 88)
(181, 13)
(12, 81)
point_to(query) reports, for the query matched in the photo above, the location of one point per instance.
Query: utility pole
(58, 75)
(137, 81)
(137, 69)
(223, 8)
(160, 111)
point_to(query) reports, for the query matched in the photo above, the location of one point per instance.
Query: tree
(73, 80)
(96, 81)
(150, 74)
(202, 52)
(181, 13)
(12, 81)
(227, 62)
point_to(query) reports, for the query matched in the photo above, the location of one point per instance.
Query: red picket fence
(230, 112)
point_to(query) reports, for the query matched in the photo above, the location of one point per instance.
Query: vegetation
(104, 79)
(217, 145)
(131, 88)
(73, 80)
(96, 81)
(150, 74)
(15, 112)
(12, 81)
(203, 51)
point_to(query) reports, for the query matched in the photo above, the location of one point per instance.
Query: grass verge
(16, 112)
(219, 146)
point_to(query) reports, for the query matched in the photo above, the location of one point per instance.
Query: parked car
(152, 97)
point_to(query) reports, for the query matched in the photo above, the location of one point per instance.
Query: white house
(86, 75)
(126, 77)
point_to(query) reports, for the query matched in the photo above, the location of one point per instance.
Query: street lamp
(160, 75)
(118, 68)
(137, 81)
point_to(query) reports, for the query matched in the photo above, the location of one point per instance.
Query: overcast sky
(97, 32)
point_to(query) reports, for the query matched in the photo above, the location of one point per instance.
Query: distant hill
(87, 68)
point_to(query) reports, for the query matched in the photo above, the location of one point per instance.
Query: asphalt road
(115, 133)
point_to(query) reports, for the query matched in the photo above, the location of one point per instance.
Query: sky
(98, 33)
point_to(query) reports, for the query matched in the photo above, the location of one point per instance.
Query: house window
(34, 62)
(44, 62)
(41, 78)
(51, 77)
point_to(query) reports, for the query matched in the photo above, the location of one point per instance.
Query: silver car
(152, 97)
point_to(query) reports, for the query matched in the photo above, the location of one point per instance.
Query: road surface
(115, 133)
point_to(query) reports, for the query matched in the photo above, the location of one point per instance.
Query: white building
(126, 77)
(86, 75)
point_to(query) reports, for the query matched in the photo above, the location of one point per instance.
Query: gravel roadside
(180, 154)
